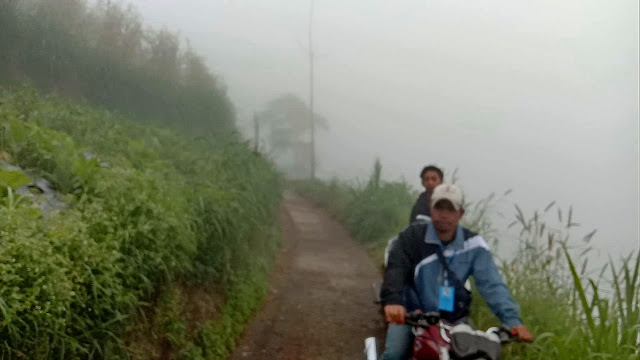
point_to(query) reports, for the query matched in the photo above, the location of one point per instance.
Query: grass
(145, 209)
(565, 306)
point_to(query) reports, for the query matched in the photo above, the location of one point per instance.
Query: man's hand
(523, 333)
(394, 314)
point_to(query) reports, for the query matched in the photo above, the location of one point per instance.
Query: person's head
(431, 177)
(446, 207)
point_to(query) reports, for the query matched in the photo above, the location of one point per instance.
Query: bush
(144, 208)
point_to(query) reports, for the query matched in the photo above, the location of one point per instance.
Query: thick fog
(537, 96)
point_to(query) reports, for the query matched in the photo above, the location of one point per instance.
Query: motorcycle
(435, 339)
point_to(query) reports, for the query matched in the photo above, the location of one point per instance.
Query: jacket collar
(431, 237)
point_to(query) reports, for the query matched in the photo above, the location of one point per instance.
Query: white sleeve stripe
(471, 244)
(424, 262)
(476, 241)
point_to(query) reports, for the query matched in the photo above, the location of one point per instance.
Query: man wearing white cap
(427, 268)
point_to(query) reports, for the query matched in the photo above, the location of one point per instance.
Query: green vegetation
(573, 313)
(102, 52)
(144, 211)
(108, 225)
(569, 311)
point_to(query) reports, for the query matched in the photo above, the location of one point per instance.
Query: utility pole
(256, 133)
(311, 113)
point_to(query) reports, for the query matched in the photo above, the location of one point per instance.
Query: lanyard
(449, 262)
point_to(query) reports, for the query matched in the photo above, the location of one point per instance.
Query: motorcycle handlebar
(506, 334)
(419, 319)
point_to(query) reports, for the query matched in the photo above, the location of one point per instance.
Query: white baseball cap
(447, 192)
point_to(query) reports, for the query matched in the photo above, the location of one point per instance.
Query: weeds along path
(320, 302)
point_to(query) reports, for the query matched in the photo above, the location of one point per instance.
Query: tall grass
(570, 310)
(146, 208)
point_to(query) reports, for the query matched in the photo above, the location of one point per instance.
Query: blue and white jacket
(414, 274)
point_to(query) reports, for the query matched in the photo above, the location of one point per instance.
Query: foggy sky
(538, 96)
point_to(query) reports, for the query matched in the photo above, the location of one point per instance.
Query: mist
(538, 97)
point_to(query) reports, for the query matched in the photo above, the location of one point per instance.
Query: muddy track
(320, 303)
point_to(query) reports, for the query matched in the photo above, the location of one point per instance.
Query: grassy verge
(143, 209)
(568, 310)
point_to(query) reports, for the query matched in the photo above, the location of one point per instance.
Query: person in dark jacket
(416, 277)
(431, 177)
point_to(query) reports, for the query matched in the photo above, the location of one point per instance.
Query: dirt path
(320, 302)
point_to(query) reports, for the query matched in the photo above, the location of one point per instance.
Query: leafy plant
(13, 179)
(148, 208)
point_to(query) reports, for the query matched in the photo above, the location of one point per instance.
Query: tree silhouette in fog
(288, 133)
(103, 53)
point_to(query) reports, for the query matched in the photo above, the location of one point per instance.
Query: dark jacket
(413, 273)
(421, 207)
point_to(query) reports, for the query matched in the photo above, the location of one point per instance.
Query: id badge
(445, 301)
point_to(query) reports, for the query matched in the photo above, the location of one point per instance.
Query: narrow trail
(320, 303)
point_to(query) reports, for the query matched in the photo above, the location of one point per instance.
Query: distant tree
(102, 52)
(288, 128)
(164, 59)
(118, 29)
